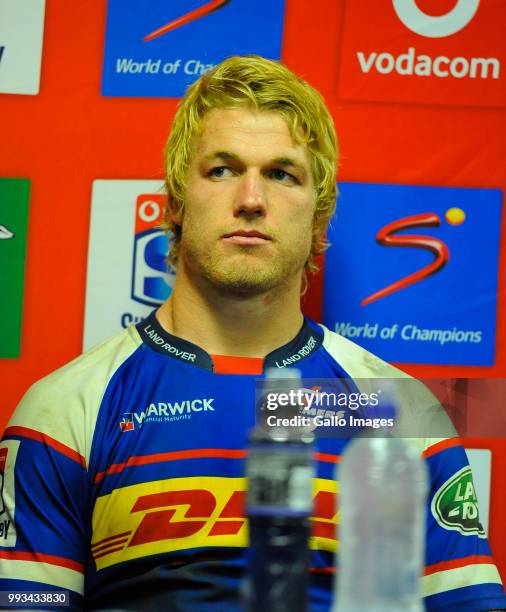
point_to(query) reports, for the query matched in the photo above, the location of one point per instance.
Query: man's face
(248, 220)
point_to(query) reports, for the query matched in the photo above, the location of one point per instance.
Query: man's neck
(226, 324)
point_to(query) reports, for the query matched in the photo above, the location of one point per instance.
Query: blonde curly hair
(260, 84)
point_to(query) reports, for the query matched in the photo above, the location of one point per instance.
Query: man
(124, 471)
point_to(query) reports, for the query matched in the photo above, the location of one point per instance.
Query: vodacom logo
(435, 27)
(149, 211)
(412, 63)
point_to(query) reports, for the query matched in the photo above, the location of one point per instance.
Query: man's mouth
(246, 238)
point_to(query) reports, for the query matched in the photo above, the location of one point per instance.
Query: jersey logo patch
(167, 412)
(127, 422)
(455, 506)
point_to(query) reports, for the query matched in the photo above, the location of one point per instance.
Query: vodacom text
(423, 65)
(436, 45)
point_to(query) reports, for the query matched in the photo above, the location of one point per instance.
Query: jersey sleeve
(43, 493)
(460, 575)
(45, 480)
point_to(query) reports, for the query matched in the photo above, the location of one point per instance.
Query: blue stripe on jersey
(164, 405)
(477, 598)
(49, 480)
(218, 466)
(177, 407)
(154, 467)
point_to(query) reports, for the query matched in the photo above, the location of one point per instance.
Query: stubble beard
(241, 271)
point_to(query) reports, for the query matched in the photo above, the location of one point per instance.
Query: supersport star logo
(386, 237)
(197, 13)
(435, 27)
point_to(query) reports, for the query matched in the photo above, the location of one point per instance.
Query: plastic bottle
(279, 503)
(383, 490)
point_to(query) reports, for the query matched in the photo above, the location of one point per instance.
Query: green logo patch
(14, 198)
(455, 506)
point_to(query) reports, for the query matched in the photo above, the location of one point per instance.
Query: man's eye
(284, 177)
(220, 172)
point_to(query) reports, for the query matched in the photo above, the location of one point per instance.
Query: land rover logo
(455, 507)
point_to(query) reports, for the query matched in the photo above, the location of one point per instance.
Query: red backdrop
(69, 135)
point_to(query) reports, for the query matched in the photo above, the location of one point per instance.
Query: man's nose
(251, 198)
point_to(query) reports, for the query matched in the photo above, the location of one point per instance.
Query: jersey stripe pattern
(122, 478)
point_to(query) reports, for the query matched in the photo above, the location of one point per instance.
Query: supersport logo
(197, 13)
(454, 216)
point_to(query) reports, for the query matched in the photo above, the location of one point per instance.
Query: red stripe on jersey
(443, 566)
(223, 364)
(199, 453)
(327, 457)
(322, 570)
(109, 551)
(324, 530)
(430, 569)
(111, 547)
(42, 558)
(33, 434)
(99, 543)
(441, 446)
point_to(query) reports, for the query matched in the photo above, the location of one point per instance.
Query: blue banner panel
(155, 48)
(412, 272)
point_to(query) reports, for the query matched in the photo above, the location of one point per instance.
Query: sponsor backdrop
(452, 54)
(21, 30)
(398, 247)
(158, 48)
(126, 276)
(417, 89)
(14, 196)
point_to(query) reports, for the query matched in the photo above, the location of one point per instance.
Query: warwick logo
(163, 412)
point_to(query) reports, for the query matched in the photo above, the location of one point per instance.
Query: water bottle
(279, 503)
(383, 491)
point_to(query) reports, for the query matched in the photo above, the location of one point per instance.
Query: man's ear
(319, 231)
(174, 213)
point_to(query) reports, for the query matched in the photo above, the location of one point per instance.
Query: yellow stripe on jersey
(182, 513)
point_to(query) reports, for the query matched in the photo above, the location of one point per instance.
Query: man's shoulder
(64, 404)
(356, 360)
(419, 414)
(99, 362)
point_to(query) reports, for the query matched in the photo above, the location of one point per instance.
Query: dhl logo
(183, 513)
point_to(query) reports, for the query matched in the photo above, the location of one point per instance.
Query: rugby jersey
(123, 479)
